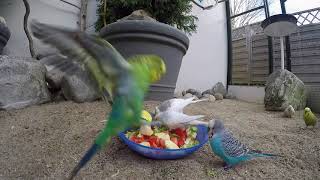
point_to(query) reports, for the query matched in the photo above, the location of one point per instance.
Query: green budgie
(309, 118)
(125, 83)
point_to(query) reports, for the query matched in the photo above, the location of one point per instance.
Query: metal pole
(270, 43)
(283, 6)
(229, 38)
(288, 48)
(282, 52)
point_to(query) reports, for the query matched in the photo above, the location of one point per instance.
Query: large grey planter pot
(4, 36)
(133, 37)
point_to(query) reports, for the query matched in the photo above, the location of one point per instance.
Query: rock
(53, 75)
(4, 34)
(282, 89)
(57, 96)
(22, 83)
(289, 112)
(139, 15)
(188, 95)
(79, 87)
(208, 91)
(177, 95)
(184, 92)
(218, 96)
(2, 20)
(219, 88)
(194, 92)
(229, 95)
(210, 97)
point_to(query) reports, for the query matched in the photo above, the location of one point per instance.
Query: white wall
(248, 93)
(205, 63)
(48, 11)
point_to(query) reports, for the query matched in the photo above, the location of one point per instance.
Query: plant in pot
(126, 26)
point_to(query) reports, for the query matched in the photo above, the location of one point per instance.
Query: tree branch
(83, 15)
(70, 4)
(25, 27)
(202, 7)
(239, 6)
(105, 13)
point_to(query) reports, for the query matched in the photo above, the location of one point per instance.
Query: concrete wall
(248, 93)
(53, 12)
(205, 63)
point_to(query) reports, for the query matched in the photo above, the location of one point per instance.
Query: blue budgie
(229, 149)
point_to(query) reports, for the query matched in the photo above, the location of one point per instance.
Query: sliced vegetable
(170, 145)
(146, 130)
(161, 137)
(160, 129)
(145, 144)
(174, 139)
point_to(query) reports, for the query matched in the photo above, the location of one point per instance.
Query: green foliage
(173, 12)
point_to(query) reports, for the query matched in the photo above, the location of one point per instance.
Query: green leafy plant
(173, 12)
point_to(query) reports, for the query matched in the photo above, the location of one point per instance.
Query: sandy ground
(45, 142)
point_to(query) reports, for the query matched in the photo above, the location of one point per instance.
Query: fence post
(229, 38)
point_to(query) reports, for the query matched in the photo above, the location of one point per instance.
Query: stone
(194, 92)
(2, 20)
(53, 75)
(208, 91)
(219, 88)
(184, 92)
(22, 83)
(218, 96)
(188, 95)
(4, 34)
(79, 87)
(177, 95)
(138, 15)
(210, 97)
(282, 89)
(289, 112)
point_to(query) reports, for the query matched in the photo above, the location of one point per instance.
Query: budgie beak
(156, 117)
(153, 115)
(211, 132)
(156, 113)
(211, 128)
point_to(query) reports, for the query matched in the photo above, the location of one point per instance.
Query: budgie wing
(98, 55)
(174, 104)
(232, 147)
(165, 105)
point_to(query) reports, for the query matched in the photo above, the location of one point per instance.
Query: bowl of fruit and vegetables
(158, 142)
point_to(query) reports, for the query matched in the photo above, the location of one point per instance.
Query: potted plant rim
(158, 27)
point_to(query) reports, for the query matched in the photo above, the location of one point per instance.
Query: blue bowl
(157, 153)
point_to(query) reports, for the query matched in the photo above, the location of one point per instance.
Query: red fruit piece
(162, 143)
(174, 139)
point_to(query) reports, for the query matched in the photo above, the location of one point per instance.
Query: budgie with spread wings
(124, 83)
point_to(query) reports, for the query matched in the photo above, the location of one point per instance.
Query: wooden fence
(250, 54)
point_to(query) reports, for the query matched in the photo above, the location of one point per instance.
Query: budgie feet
(226, 166)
